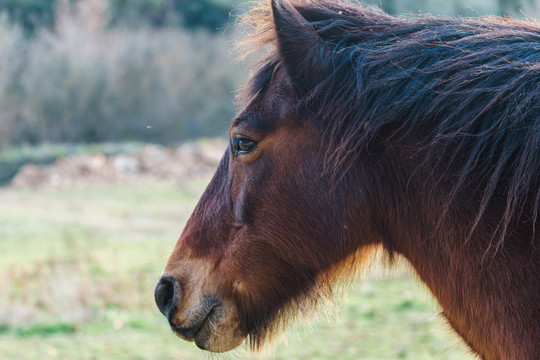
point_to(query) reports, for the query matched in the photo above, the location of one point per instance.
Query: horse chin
(219, 332)
(218, 338)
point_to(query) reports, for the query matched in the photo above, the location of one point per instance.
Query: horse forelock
(467, 91)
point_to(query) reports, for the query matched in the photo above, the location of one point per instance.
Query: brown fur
(418, 134)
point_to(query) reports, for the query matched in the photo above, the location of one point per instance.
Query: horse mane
(469, 87)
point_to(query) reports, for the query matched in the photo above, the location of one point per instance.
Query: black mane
(468, 89)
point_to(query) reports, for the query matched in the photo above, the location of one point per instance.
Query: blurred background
(113, 116)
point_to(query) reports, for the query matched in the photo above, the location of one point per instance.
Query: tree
(190, 14)
(30, 14)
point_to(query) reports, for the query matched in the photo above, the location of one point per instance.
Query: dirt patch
(153, 162)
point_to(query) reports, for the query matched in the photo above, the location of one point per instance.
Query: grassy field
(78, 268)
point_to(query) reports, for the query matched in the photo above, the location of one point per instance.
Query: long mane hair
(466, 90)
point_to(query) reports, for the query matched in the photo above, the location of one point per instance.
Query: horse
(419, 135)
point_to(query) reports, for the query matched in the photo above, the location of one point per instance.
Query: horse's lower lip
(190, 334)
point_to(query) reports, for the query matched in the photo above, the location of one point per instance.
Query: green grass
(78, 267)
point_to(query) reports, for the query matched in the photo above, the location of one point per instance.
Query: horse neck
(490, 298)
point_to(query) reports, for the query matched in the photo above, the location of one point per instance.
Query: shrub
(78, 85)
(30, 14)
(212, 15)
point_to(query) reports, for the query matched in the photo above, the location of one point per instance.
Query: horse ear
(301, 49)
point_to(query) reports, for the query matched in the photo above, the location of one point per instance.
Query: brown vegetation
(153, 162)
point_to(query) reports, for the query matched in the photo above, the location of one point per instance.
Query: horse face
(273, 227)
(266, 233)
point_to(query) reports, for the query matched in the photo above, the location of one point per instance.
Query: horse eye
(242, 145)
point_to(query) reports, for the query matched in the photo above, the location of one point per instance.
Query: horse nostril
(166, 294)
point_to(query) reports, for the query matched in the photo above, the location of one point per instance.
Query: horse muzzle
(208, 321)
